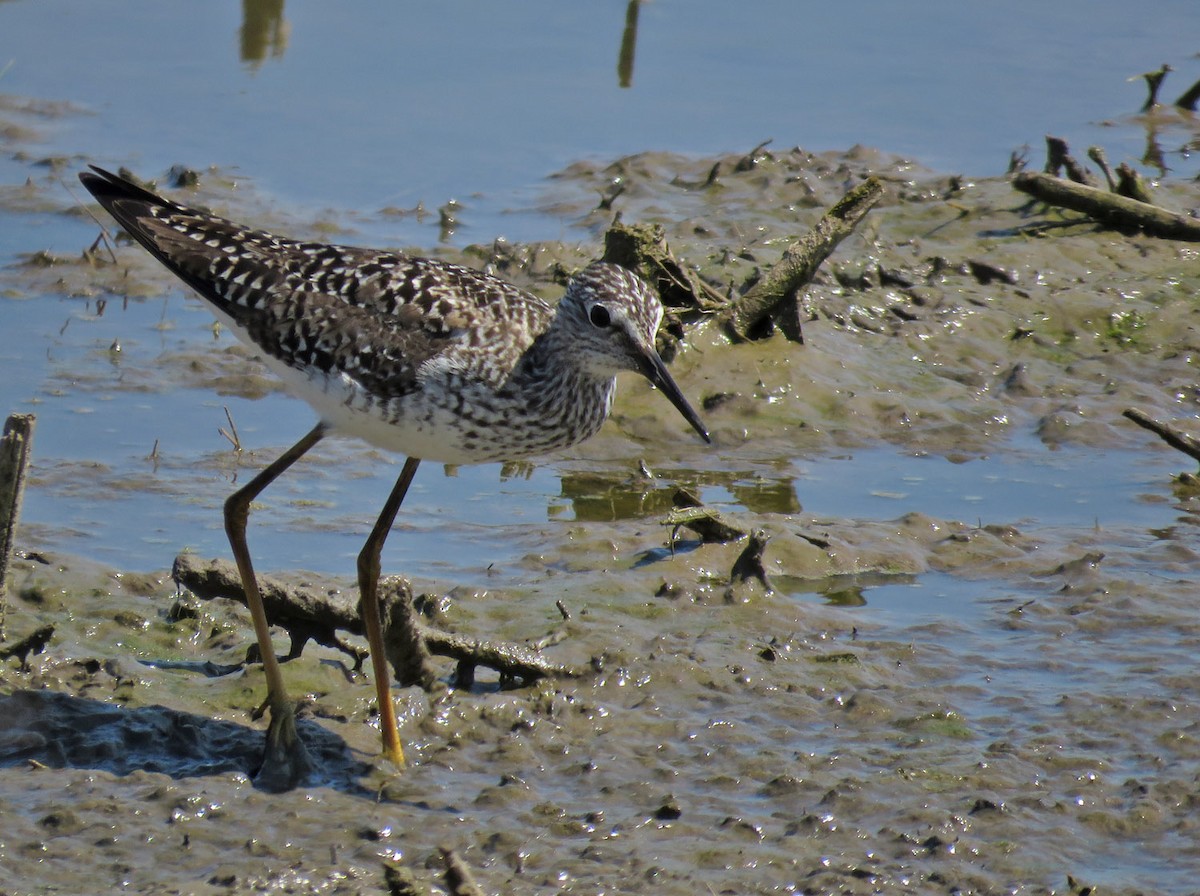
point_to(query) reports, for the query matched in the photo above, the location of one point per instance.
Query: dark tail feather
(108, 187)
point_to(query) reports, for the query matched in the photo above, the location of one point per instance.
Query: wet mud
(1037, 731)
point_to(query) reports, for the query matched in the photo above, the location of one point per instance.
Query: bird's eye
(599, 316)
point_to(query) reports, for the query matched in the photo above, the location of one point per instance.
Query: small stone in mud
(669, 810)
(741, 826)
(142, 584)
(182, 609)
(673, 591)
(130, 619)
(375, 834)
(714, 401)
(33, 594)
(401, 882)
(62, 821)
(33, 643)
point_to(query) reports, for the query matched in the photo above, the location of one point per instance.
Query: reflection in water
(899, 592)
(263, 31)
(1153, 156)
(761, 495)
(1155, 114)
(607, 497)
(611, 496)
(628, 45)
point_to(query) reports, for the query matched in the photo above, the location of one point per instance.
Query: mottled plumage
(417, 356)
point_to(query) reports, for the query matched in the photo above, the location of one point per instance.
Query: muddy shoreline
(732, 739)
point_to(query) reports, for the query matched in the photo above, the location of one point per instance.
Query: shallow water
(362, 106)
(975, 672)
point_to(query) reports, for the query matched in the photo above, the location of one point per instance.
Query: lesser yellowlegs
(417, 356)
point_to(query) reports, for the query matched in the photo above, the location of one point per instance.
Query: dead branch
(691, 513)
(1132, 185)
(15, 448)
(311, 614)
(747, 314)
(1058, 157)
(749, 564)
(1097, 155)
(517, 664)
(306, 614)
(1176, 438)
(1108, 208)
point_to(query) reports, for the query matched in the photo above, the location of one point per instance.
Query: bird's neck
(568, 395)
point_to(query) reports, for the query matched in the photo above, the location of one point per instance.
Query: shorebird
(417, 356)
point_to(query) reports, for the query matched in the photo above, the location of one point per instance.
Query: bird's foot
(286, 763)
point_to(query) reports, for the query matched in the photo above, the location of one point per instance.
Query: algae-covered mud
(998, 700)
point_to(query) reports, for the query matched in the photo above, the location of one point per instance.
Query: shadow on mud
(63, 731)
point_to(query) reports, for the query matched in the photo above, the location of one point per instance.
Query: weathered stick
(1108, 208)
(15, 447)
(1176, 438)
(801, 260)
(304, 613)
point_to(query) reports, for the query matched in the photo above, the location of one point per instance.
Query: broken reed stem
(15, 448)
(801, 260)
(232, 434)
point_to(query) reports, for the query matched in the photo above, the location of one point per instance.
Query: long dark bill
(655, 371)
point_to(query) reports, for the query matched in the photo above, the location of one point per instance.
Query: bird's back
(352, 330)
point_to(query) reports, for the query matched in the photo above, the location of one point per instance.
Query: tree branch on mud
(310, 614)
(1108, 208)
(746, 315)
(15, 448)
(1176, 438)
(643, 248)
(1125, 205)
